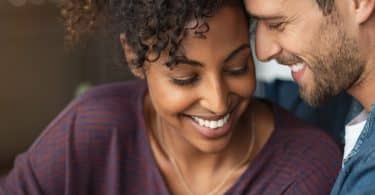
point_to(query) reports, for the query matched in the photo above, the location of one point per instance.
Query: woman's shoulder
(304, 147)
(98, 112)
(298, 154)
(115, 103)
(107, 103)
(97, 128)
(125, 93)
(289, 125)
(299, 143)
(297, 157)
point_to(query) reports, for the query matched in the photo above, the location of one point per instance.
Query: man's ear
(363, 10)
(130, 55)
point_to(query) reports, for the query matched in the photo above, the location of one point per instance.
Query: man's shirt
(352, 132)
(357, 177)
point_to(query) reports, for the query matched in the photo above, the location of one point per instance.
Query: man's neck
(364, 90)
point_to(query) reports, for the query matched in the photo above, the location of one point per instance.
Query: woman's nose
(216, 97)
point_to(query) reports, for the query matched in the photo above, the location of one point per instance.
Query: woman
(189, 126)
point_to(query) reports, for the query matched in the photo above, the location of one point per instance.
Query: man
(330, 47)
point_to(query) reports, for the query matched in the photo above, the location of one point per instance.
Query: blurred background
(39, 77)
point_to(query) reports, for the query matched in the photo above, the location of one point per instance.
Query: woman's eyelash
(240, 71)
(193, 79)
(186, 81)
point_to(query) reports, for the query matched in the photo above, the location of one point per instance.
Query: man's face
(322, 54)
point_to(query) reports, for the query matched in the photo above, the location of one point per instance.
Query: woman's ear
(130, 56)
(363, 10)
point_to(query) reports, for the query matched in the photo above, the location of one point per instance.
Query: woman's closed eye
(185, 80)
(238, 71)
(190, 80)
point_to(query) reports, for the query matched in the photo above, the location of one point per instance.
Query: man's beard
(335, 63)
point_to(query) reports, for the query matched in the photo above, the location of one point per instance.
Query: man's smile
(297, 70)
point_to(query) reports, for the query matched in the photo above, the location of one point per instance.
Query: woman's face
(201, 99)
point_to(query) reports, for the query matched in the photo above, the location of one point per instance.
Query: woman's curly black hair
(150, 26)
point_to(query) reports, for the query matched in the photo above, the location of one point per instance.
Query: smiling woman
(189, 125)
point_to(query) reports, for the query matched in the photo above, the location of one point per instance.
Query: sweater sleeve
(79, 152)
(318, 175)
(21, 179)
(56, 160)
(313, 184)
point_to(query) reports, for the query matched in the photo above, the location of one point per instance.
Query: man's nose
(266, 45)
(216, 96)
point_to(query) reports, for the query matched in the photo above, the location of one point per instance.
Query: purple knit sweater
(98, 145)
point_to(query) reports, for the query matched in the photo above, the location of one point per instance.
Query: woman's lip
(213, 133)
(212, 118)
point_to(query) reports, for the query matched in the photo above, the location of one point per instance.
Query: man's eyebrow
(265, 17)
(236, 51)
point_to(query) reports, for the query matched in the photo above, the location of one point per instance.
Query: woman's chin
(213, 146)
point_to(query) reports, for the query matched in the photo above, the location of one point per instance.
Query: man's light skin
(335, 50)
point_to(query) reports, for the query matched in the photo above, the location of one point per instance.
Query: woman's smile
(212, 124)
(212, 129)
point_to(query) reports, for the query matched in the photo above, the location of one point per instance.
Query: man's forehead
(269, 9)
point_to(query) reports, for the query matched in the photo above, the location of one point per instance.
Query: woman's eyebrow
(192, 62)
(188, 62)
(236, 51)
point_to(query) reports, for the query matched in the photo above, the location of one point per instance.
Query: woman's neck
(200, 169)
(201, 172)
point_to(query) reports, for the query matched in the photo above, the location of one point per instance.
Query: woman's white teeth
(212, 124)
(297, 67)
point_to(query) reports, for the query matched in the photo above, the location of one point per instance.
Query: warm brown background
(38, 75)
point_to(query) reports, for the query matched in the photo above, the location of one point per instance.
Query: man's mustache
(289, 59)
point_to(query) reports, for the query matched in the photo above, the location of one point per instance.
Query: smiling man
(330, 47)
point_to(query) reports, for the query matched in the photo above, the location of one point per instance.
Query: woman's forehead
(226, 30)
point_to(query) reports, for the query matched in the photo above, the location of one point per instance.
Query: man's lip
(294, 63)
(299, 74)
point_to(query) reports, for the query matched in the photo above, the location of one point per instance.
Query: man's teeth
(297, 67)
(212, 124)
